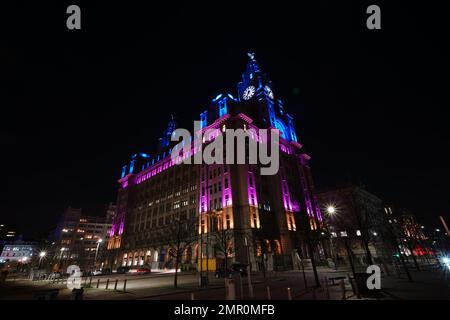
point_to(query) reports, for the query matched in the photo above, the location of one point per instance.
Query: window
(228, 221)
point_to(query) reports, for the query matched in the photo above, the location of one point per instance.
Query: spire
(252, 67)
(253, 76)
(165, 139)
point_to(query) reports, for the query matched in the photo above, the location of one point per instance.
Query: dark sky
(369, 106)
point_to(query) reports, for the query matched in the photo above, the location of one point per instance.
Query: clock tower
(255, 93)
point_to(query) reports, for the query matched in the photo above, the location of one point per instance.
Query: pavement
(427, 284)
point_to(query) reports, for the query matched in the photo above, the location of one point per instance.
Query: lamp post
(60, 257)
(96, 250)
(210, 222)
(201, 250)
(331, 210)
(42, 254)
(250, 287)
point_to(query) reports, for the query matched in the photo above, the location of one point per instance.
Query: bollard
(289, 293)
(115, 285)
(107, 284)
(230, 289)
(327, 290)
(342, 285)
(241, 287)
(192, 296)
(98, 283)
(269, 297)
(125, 285)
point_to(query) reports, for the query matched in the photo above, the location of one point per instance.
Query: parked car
(221, 273)
(122, 270)
(241, 268)
(96, 272)
(143, 270)
(235, 268)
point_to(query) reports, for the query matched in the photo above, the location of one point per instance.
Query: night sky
(369, 106)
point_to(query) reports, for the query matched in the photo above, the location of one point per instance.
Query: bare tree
(179, 235)
(222, 240)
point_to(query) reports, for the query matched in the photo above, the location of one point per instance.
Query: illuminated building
(409, 234)
(357, 219)
(269, 212)
(76, 237)
(18, 251)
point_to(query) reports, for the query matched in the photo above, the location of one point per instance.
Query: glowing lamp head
(42, 254)
(100, 240)
(331, 209)
(446, 260)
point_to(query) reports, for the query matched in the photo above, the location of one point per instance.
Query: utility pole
(250, 287)
(201, 252)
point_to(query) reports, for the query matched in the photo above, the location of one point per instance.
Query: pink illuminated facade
(269, 213)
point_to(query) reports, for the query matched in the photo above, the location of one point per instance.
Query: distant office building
(78, 238)
(358, 225)
(412, 237)
(18, 251)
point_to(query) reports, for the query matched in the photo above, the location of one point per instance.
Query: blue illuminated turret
(166, 138)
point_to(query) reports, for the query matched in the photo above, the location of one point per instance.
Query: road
(431, 284)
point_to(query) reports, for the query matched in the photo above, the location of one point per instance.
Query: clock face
(249, 92)
(269, 92)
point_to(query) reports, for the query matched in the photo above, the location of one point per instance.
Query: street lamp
(331, 209)
(61, 256)
(96, 250)
(42, 254)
